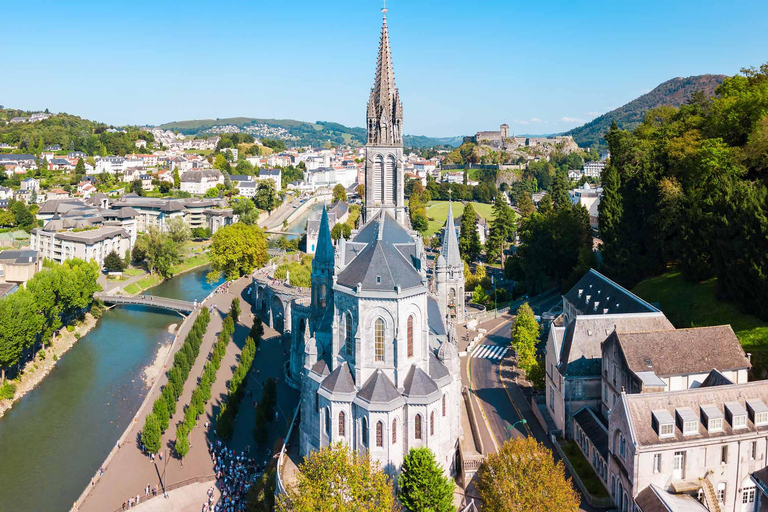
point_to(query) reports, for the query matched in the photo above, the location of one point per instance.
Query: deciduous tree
(236, 250)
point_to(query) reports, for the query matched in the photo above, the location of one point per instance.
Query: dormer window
(597, 303)
(580, 292)
(663, 423)
(688, 421)
(378, 279)
(588, 297)
(712, 418)
(758, 412)
(736, 415)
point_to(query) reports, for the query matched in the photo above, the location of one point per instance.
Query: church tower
(322, 273)
(384, 179)
(449, 274)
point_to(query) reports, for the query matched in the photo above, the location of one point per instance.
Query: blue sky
(542, 67)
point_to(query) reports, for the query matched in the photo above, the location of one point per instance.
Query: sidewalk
(189, 497)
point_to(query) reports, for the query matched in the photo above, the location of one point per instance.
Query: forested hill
(298, 133)
(673, 92)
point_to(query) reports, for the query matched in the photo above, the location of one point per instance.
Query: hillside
(296, 133)
(673, 92)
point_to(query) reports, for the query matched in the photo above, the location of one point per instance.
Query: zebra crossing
(489, 352)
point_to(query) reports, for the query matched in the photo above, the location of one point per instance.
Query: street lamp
(523, 421)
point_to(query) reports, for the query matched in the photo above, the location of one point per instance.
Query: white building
(199, 181)
(89, 245)
(594, 169)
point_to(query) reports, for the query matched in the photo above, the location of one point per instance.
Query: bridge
(179, 306)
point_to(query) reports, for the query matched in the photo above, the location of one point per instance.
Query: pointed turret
(324, 254)
(450, 249)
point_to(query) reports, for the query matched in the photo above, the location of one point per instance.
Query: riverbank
(36, 369)
(152, 280)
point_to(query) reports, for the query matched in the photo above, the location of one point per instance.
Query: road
(503, 406)
(275, 220)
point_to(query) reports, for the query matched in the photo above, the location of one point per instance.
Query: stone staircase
(710, 497)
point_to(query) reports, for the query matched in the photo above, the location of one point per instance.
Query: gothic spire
(450, 249)
(385, 111)
(324, 254)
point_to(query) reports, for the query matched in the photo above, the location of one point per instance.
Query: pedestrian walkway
(189, 497)
(494, 352)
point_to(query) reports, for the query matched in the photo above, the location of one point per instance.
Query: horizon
(562, 68)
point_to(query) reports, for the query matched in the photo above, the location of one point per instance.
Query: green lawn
(132, 289)
(131, 272)
(586, 474)
(437, 211)
(695, 305)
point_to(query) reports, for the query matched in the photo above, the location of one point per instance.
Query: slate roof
(378, 389)
(393, 232)
(339, 208)
(321, 367)
(582, 352)
(610, 297)
(669, 352)
(715, 378)
(418, 384)
(18, 257)
(93, 236)
(434, 317)
(197, 176)
(437, 370)
(595, 430)
(379, 267)
(340, 380)
(642, 405)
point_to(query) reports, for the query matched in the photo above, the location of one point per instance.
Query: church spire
(385, 111)
(450, 249)
(324, 254)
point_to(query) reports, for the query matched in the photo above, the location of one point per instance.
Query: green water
(56, 437)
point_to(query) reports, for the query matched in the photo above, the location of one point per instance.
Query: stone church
(373, 349)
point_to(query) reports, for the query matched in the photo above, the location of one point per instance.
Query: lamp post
(509, 428)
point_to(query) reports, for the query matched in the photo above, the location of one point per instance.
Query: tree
(177, 229)
(150, 435)
(524, 477)
(160, 410)
(176, 178)
(525, 204)
(266, 198)
(339, 193)
(113, 262)
(79, 168)
(182, 442)
(337, 231)
(20, 324)
(479, 296)
(502, 230)
(137, 187)
(236, 250)
(159, 250)
(422, 484)
(235, 309)
(337, 478)
(212, 192)
(525, 336)
(469, 238)
(361, 192)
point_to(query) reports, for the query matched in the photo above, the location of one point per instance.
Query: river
(56, 437)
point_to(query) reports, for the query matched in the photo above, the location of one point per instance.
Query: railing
(177, 485)
(280, 486)
(143, 300)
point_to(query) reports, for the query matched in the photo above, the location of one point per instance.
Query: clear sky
(540, 66)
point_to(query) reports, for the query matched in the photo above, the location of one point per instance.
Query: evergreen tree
(79, 168)
(559, 191)
(176, 178)
(469, 239)
(113, 262)
(502, 230)
(423, 486)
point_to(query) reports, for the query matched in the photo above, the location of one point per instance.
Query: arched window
(452, 297)
(432, 423)
(394, 431)
(443, 405)
(348, 339)
(328, 421)
(379, 434)
(410, 336)
(378, 338)
(364, 431)
(342, 424)
(322, 295)
(417, 427)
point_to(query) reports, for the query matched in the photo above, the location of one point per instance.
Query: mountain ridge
(673, 92)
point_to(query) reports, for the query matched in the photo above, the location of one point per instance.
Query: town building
(89, 245)
(594, 168)
(18, 266)
(200, 180)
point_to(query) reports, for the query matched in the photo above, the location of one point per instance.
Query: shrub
(55, 357)
(71, 328)
(7, 391)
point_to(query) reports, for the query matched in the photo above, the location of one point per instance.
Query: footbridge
(180, 306)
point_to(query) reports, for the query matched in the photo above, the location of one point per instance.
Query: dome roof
(447, 351)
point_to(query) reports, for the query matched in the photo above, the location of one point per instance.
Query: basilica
(372, 346)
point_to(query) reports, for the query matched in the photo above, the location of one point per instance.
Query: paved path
(182, 306)
(130, 470)
(190, 497)
(108, 286)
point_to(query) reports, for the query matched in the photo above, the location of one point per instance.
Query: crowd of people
(135, 501)
(223, 288)
(235, 473)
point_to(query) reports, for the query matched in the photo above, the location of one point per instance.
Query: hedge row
(202, 392)
(225, 422)
(156, 423)
(264, 411)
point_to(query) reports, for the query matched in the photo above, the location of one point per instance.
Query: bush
(71, 328)
(55, 357)
(77, 335)
(7, 391)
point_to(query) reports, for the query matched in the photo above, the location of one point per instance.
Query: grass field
(695, 305)
(437, 211)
